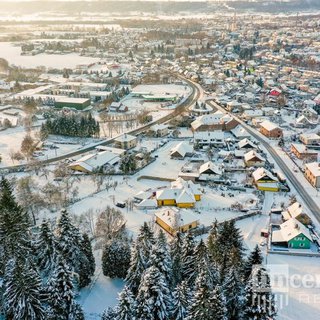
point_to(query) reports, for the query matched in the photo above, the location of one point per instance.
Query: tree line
(73, 125)
(185, 279)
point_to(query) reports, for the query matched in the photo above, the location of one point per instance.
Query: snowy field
(13, 55)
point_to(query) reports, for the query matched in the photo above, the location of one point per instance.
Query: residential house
(181, 150)
(125, 141)
(310, 139)
(302, 152)
(265, 180)
(240, 132)
(293, 235)
(296, 211)
(174, 220)
(160, 130)
(208, 138)
(270, 130)
(254, 159)
(312, 173)
(246, 144)
(209, 171)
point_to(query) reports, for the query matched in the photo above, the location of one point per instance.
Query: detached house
(292, 234)
(270, 130)
(125, 141)
(254, 159)
(312, 173)
(174, 220)
(265, 180)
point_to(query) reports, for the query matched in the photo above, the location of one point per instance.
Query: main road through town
(195, 95)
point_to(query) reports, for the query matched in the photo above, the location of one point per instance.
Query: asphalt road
(194, 96)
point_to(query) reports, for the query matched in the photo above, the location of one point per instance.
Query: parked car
(120, 205)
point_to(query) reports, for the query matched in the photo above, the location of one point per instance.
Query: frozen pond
(12, 54)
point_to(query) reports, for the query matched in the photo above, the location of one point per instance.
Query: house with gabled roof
(292, 234)
(265, 180)
(270, 130)
(254, 159)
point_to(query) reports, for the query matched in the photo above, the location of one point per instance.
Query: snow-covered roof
(176, 218)
(240, 132)
(314, 168)
(292, 228)
(268, 125)
(183, 148)
(261, 173)
(125, 138)
(148, 203)
(210, 166)
(253, 154)
(245, 142)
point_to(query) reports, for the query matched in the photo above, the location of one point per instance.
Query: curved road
(194, 96)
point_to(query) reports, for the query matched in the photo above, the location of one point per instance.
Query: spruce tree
(126, 307)
(207, 303)
(109, 314)
(146, 240)
(254, 258)
(160, 257)
(259, 301)
(176, 256)
(14, 226)
(116, 258)
(86, 248)
(181, 301)
(188, 265)
(153, 299)
(45, 247)
(233, 291)
(136, 267)
(22, 297)
(59, 291)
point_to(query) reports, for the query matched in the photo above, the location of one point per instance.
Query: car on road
(120, 205)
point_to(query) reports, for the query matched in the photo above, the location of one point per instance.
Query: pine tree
(255, 258)
(59, 291)
(45, 248)
(86, 248)
(146, 241)
(22, 292)
(136, 268)
(116, 258)
(188, 266)
(125, 309)
(175, 253)
(207, 303)
(76, 312)
(153, 299)
(259, 301)
(233, 291)
(181, 300)
(160, 257)
(14, 226)
(109, 314)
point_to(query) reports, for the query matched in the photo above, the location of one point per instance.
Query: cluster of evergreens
(187, 279)
(73, 125)
(41, 268)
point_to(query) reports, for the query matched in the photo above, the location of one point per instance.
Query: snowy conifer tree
(259, 301)
(59, 291)
(160, 257)
(109, 314)
(153, 299)
(233, 291)
(188, 265)
(207, 303)
(86, 248)
(126, 307)
(254, 258)
(22, 297)
(14, 226)
(116, 258)
(45, 248)
(176, 256)
(181, 301)
(146, 240)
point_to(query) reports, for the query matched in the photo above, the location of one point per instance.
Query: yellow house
(265, 180)
(174, 220)
(183, 194)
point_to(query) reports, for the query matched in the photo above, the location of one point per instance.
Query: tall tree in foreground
(188, 265)
(126, 307)
(254, 259)
(176, 258)
(259, 301)
(22, 292)
(14, 226)
(153, 299)
(181, 301)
